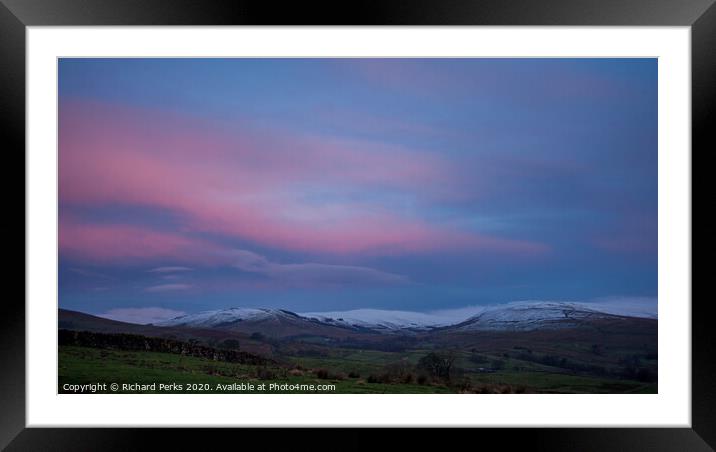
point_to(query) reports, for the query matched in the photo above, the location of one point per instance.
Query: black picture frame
(16, 15)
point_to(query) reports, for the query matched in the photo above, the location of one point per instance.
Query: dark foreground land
(604, 357)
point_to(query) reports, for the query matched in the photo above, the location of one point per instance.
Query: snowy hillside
(526, 315)
(208, 319)
(379, 319)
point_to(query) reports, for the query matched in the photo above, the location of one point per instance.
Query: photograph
(357, 225)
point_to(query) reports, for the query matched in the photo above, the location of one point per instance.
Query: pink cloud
(248, 184)
(121, 151)
(110, 243)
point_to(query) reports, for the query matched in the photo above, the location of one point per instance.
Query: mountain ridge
(508, 316)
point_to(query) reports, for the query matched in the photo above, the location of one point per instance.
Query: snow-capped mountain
(270, 322)
(525, 316)
(516, 316)
(378, 319)
(360, 318)
(222, 317)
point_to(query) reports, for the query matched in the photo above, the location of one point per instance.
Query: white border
(671, 407)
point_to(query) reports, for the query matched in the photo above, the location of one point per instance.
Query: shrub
(322, 374)
(353, 374)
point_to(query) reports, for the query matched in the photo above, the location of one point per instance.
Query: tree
(438, 364)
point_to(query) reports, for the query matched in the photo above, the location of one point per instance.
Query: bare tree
(438, 364)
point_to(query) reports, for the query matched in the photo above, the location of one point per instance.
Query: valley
(517, 349)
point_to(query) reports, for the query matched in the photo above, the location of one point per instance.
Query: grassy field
(84, 365)
(350, 371)
(525, 376)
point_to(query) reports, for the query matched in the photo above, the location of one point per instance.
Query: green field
(83, 365)
(351, 371)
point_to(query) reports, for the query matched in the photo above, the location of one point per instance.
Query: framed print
(464, 215)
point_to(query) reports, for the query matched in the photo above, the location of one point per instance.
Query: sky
(338, 184)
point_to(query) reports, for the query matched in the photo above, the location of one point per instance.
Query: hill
(79, 321)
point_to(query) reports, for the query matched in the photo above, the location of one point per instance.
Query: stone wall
(135, 342)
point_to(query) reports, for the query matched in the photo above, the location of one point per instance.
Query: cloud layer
(312, 273)
(298, 194)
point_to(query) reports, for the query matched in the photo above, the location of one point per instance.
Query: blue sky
(334, 184)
